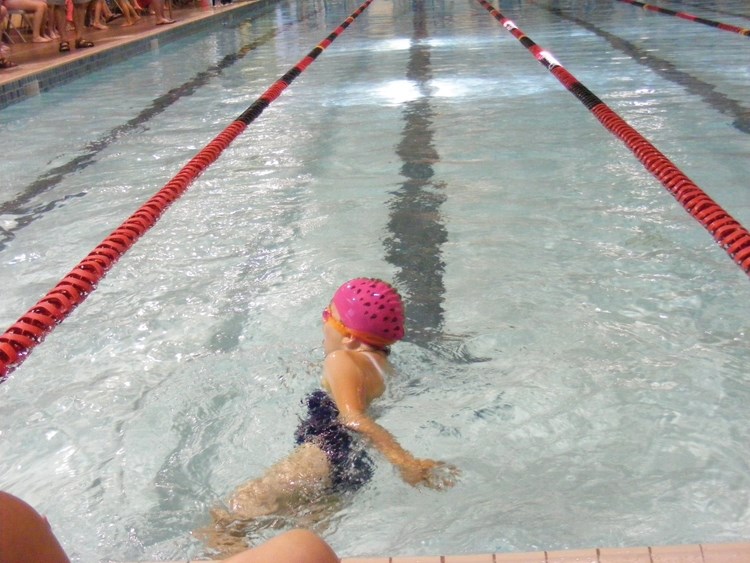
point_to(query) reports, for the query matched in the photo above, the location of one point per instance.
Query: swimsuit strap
(374, 362)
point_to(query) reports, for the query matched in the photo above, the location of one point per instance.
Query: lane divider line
(690, 17)
(31, 328)
(728, 232)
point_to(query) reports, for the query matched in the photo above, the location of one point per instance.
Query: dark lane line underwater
(53, 177)
(706, 6)
(722, 103)
(417, 231)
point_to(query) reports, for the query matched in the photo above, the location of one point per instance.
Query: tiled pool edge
(31, 84)
(697, 553)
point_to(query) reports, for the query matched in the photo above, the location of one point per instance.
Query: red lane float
(729, 233)
(690, 17)
(29, 330)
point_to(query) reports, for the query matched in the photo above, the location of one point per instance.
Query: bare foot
(6, 63)
(41, 40)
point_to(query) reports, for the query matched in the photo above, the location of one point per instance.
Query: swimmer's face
(333, 330)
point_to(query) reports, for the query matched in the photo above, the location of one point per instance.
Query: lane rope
(690, 17)
(31, 328)
(729, 233)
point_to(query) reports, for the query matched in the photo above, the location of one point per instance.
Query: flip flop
(83, 44)
(64, 46)
(166, 22)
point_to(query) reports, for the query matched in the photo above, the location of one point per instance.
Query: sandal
(83, 44)
(7, 63)
(64, 46)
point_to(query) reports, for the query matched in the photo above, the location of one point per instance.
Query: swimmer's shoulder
(358, 368)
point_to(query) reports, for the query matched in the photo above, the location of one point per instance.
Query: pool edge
(51, 71)
(688, 553)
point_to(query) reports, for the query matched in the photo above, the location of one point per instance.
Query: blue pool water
(577, 342)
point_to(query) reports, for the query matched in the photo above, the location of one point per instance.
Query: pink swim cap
(372, 310)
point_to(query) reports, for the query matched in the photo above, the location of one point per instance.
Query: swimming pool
(577, 342)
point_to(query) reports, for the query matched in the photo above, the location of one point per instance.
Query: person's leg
(79, 22)
(25, 535)
(5, 61)
(3, 17)
(97, 22)
(49, 24)
(40, 14)
(131, 16)
(61, 22)
(161, 19)
(38, 9)
(296, 546)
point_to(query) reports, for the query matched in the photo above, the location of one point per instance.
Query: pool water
(577, 342)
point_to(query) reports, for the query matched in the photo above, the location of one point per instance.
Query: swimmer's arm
(415, 471)
(347, 387)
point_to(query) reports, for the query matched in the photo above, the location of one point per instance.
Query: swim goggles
(372, 340)
(340, 327)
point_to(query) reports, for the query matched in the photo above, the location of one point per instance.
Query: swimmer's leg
(286, 485)
(223, 541)
(304, 475)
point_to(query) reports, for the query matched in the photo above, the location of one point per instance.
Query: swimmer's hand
(429, 473)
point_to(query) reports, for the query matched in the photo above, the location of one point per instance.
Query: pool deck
(42, 67)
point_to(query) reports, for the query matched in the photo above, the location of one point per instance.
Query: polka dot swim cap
(372, 310)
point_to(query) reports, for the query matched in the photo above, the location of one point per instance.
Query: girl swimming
(364, 318)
